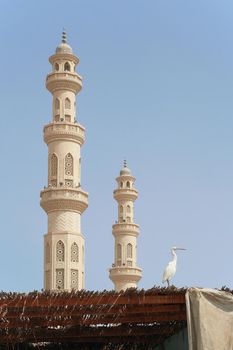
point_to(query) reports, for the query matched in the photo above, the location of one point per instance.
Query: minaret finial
(64, 36)
(125, 163)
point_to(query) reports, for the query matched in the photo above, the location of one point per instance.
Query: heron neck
(174, 255)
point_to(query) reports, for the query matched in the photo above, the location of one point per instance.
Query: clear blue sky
(158, 90)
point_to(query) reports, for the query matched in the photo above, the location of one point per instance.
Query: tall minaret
(124, 272)
(63, 199)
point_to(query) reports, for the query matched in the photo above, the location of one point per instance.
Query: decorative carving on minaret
(124, 272)
(63, 199)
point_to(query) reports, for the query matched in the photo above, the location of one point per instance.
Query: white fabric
(209, 319)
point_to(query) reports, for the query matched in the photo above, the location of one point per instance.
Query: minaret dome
(125, 170)
(64, 47)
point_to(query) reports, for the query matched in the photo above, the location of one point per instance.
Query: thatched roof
(92, 319)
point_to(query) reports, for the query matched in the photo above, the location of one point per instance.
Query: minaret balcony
(125, 273)
(64, 131)
(125, 194)
(64, 81)
(74, 199)
(128, 229)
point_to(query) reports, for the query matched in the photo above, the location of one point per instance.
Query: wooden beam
(74, 300)
(98, 335)
(82, 321)
(37, 312)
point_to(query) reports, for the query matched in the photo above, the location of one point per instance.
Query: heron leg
(168, 284)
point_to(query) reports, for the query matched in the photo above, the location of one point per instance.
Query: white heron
(170, 270)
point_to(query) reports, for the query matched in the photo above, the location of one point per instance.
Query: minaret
(63, 199)
(124, 272)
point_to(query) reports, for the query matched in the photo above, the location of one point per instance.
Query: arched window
(69, 165)
(47, 253)
(119, 252)
(128, 184)
(67, 67)
(129, 251)
(57, 103)
(60, 251)
(67, 103)
(74, 253)
(54, 165)
(56, 66)
(121, 208)
(128, 209)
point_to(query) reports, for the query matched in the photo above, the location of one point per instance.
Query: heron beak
(180, 248)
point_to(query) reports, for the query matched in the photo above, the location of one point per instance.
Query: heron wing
(169, 271)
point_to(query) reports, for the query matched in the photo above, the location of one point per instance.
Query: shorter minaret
(124, 272)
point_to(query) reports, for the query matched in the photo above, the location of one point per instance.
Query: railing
(131, 192)
(61, 127)
(122, 270)
(58, 76)
(64, 131)
(64, 193)
(125, 227)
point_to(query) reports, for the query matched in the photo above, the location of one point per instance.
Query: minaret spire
(124, 272)
(63, 199)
